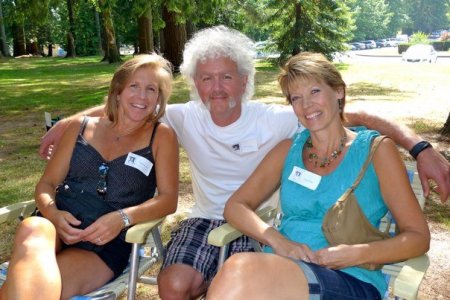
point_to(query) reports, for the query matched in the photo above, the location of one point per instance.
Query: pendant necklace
(128, 132)
(322, 162)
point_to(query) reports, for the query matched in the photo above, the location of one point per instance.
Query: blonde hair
(163, 72)
(311, 66)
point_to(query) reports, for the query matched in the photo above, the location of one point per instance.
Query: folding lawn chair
(404, 277)
(147, 249)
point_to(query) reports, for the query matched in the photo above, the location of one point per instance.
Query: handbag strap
(375, 143)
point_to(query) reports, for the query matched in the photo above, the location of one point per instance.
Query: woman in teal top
(314, 169)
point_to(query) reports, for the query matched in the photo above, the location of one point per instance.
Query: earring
(340, 105)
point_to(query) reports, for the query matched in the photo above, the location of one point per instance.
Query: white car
(420, 53)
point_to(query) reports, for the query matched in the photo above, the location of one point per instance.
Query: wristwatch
(125, 218)
(419, 147)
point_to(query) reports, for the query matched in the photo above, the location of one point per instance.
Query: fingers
(432, 165)
(309, 256)
(443, 193)
(47, 146)
(68, 233)
(425, 185)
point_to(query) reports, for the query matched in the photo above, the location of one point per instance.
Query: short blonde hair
(310, 66)
(163, 72)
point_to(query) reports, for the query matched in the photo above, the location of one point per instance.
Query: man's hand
(51, 139)
(432, 165)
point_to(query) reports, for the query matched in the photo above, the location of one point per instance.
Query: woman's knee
(238, 268)
(35, 231)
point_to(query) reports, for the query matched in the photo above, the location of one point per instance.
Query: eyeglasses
(101, 185)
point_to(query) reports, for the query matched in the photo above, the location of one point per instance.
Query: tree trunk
(174, 38)
(190, 29)
(3, 45)
(146, 32)
(446, 129)
(297, 25)
(50, 50)
(32, 47)
(99, 30)
(19, 40)
(112, 52)
(71, 33)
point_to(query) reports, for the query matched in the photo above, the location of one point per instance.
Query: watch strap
(419, 147)
(126, 220)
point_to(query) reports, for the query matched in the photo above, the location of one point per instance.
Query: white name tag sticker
(249, 146)
(305, 178)
(139, 162)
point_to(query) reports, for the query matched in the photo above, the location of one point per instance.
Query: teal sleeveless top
(304, 209)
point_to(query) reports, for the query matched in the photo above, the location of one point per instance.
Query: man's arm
(51, 139)
(430, 163)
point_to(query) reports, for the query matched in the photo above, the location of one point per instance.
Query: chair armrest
(16, 210)
(138, 233)
(226, 233)
(407, 283)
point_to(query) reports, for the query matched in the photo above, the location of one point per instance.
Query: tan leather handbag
(345, 223)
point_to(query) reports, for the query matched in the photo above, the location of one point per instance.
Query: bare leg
(180, 281)
(259, 276)
(33, 271)
(82, 272)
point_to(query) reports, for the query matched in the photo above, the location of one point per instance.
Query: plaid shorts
(189, 246)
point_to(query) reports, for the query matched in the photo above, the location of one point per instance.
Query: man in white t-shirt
(225, 138)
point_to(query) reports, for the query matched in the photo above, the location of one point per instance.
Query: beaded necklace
(324, 161)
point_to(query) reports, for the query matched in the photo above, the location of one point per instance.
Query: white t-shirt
(222, 158)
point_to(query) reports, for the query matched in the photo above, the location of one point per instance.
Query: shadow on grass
(370, 89)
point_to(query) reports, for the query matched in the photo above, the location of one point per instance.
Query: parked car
(349, 46)
(392, 42)
(263, 49)
(420, 53)
(370, 44)
(358, 46)
(381, 43)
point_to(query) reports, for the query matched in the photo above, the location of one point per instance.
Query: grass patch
(425, 126)
(437, 212)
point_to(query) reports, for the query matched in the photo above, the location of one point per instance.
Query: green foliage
(87, 42)
(372, 18)
(419, 38)
(318, 26)
(427, 15)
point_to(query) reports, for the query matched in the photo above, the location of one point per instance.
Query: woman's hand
(295, 250)
(65, 224)
(104, 229)
(339, 257)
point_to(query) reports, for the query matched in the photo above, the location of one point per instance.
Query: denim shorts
(331, 284)
(189, 246)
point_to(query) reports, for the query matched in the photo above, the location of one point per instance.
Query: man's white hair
(215, 42)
